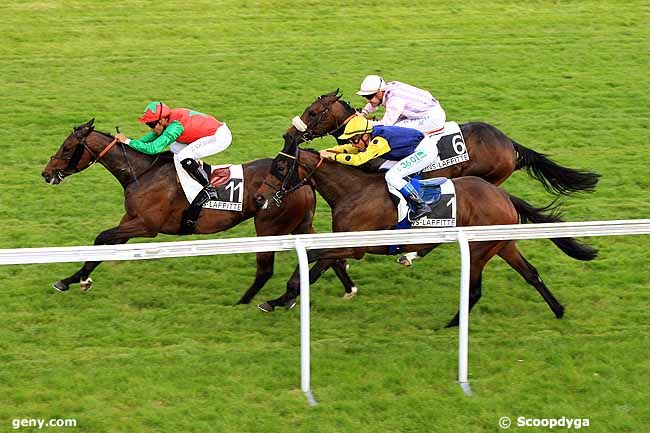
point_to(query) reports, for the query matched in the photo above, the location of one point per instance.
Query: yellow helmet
(357, 125)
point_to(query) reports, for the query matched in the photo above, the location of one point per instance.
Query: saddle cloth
(431, 191)
(231, 192)
(451, 149)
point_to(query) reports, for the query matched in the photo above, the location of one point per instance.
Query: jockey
(411, 148)
(406, 105)
(191, 135)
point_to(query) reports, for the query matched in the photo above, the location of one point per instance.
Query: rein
(285, 189)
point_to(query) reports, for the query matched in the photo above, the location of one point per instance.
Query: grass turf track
(157, 346)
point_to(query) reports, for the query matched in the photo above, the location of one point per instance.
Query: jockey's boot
(418, 207)
(190, 217)
(194, 169)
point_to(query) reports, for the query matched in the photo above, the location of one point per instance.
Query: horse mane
(106, 134)
(165, 156)
(347, 106)
(358, 171)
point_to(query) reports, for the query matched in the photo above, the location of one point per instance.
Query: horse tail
(551, 214)
(554, 177)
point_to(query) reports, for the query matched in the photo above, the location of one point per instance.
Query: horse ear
(88, 126)
(290, 146)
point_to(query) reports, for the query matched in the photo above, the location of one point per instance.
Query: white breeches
(433, 120)
(204, 146)
(424, 155)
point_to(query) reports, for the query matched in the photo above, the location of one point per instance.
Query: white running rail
(302, 243)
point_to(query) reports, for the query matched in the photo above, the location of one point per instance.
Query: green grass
(157, 345)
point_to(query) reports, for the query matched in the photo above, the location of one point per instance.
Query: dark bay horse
(360, 201)
(154, 202)
(492, 155)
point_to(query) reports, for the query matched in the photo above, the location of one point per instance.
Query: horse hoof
(407, 259)
(60, 286)
(352, 293)
(290, 304)
(266, 307)
(86, 285)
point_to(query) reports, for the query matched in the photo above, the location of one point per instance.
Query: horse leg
(341, 271)
(339, 266)
(480, 255)
(263, 274)
(288, 298)
(128, 228)
(407, 259)
(511, 254)
(475, 285)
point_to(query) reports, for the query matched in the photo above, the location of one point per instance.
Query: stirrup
(421, 212)
(211, 192)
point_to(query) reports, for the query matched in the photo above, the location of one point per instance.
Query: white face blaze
(299, 124)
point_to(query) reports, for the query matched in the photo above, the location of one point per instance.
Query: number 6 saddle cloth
(451, 150)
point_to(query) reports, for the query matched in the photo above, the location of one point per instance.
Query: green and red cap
(154, 111)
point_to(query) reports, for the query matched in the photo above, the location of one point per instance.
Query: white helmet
(371, 85)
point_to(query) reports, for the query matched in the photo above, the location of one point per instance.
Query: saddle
(220, 176)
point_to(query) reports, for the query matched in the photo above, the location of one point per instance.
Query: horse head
(74, 155)
(287, 174)
(327, 115)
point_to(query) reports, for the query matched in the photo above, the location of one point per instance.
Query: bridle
(285, 188)
(307, 128)
(73, 160)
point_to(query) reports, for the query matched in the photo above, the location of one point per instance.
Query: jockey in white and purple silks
(406, 105)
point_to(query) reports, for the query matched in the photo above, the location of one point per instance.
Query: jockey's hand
(120, 137)
(327, 154)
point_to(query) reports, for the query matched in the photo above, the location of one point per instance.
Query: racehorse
(492, 155)
(360, 201)
(154, 202)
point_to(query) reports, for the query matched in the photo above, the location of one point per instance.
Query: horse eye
(311, 114)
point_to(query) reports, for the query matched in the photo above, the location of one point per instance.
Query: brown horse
(154, 202)
(492, 155)
(360, 201)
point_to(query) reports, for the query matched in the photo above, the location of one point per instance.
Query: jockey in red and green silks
(189, 134)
